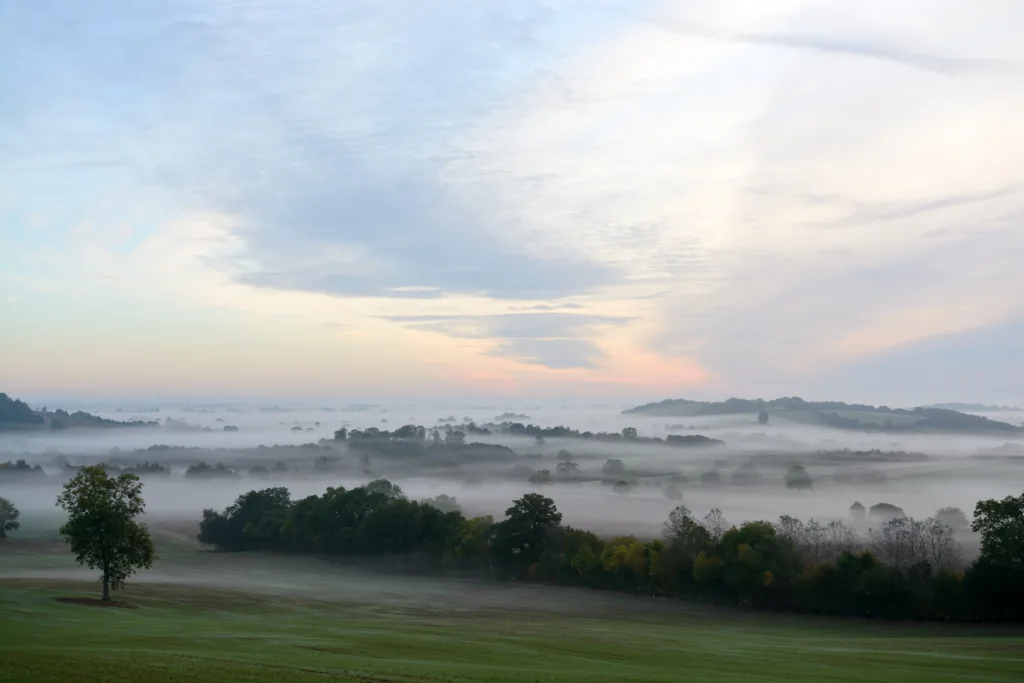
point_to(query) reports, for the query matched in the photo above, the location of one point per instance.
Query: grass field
(215, 617)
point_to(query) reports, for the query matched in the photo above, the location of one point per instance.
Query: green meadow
(206, 616)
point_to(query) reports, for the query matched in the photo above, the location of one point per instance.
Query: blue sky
(405, 198)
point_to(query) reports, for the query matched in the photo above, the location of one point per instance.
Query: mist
(917, 472)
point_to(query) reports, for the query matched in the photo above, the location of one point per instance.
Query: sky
(529, 197)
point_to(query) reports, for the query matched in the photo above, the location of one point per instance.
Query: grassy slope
(365, 631)
(207, 635)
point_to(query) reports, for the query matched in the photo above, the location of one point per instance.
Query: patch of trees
(908, 572)
(20, 469)
(203, 471)
(627, 434)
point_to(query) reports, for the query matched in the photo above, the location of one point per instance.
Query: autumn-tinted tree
(8, 517)
(102, 528)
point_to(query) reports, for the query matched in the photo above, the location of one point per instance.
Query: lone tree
(101, 528)
(763, 417)
(8, 517)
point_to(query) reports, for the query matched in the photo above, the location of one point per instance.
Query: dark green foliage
(1001, 524)
(757, 564)
(8, 517)
(102, 529)
(522, 538)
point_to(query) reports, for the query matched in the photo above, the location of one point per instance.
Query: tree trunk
(106, 580)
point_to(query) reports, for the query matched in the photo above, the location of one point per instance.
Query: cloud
(560, 182)
(554, 340)
(873, 49)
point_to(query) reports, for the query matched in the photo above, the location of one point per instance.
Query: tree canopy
(8, 517)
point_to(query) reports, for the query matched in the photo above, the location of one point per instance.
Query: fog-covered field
(919, 473)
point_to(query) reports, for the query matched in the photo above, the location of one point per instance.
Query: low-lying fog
(919, 473)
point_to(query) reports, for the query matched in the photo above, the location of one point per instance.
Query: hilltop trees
(8, 517)
(102, 529)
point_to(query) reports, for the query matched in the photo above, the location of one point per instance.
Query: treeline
(906, 570)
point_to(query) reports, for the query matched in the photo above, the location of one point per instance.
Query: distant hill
(974, 408)
(17, 415)
(835, 414)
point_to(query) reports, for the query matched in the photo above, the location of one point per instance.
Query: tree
(683, 532)
(791, 529)
(763, 417)
(798, 478)
(340, 434)
(673, 492)
(613, 467)
(520, 540)
(102, 529)
(1001, 525)
(8, 517)
(857, 511)
(715, 524)
(629, 433)
(839, 538)
(953, 517)
(886, 511)
(567, 467)
(444, 503)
